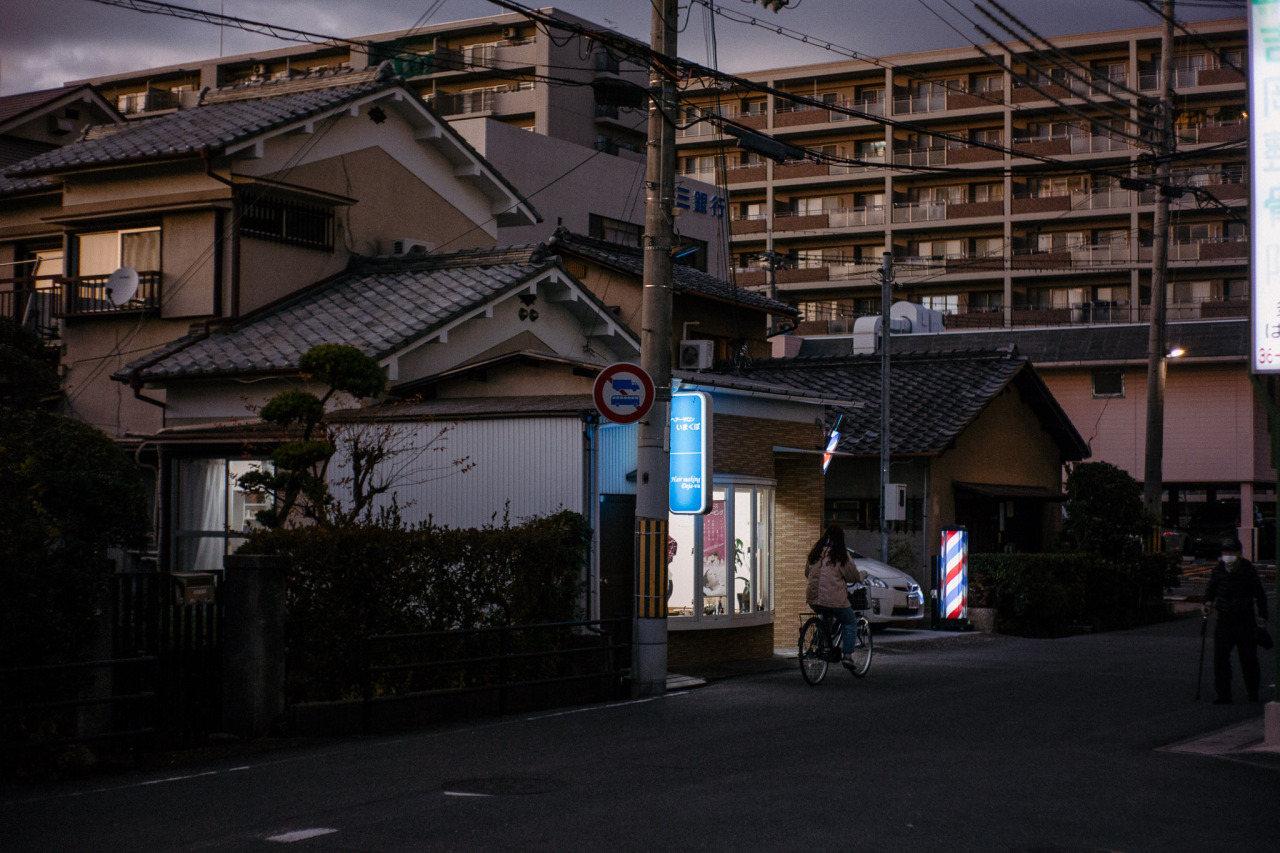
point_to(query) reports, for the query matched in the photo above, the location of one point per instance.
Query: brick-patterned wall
(798, 524)
(716, 646)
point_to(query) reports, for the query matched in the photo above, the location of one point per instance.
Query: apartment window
(991, 136)
(724, 560)
(103, 252)
(941, 195)
(1185, 292)
(940, 249)
(814, 206)
(946, 303)
(870, 149)
(1108, 382)
(213, 513)
(1235, 289)
(986, 300)
(988, 192)
(1060, 241)
(988, 247)
(754, 108)
(987, 83)
(295, 224)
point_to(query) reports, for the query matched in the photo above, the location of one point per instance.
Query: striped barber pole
(955, 573)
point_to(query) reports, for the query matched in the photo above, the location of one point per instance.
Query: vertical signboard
(1264, 183)
(690, 491)
(955, 573)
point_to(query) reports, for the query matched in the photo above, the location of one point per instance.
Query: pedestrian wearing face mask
(1234, 589)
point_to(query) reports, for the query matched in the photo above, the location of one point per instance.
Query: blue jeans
(848, 624)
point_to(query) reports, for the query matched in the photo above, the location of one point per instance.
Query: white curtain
(202, 509)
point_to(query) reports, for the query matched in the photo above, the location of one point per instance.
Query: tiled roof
(378, 307)
(934, 397)
(188, 132)
(1047, 346)
(25, 102)
(685, 279)
(14, 150)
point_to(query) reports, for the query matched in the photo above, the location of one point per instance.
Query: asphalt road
(977, 742)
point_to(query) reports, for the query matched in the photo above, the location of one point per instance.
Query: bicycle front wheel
(814, 646)
(860, 654)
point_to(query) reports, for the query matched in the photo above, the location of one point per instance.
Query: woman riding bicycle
(829, 571)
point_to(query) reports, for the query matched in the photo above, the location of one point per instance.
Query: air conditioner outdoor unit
(410, 246)
(696, 355)
(510, 32)
(259, 70)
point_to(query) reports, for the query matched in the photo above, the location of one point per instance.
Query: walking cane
(1204, 623)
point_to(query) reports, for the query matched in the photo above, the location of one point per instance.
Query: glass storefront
(724, 560)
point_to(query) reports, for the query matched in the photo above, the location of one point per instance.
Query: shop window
(213, 513)
(724, 562)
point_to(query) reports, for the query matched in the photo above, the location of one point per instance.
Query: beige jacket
(827, 579)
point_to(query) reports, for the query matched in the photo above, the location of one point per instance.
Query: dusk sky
(46, 43)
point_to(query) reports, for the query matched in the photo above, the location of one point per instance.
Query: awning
(1005, 492)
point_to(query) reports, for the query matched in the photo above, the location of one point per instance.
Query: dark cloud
(45, 43)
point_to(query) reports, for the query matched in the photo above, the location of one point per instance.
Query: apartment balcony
(804, 169)
(87, 296)
(757, 224)
(1193, 77)
(1070, 88)
(1059, 146)
(801, 222)
(1074, 200)
(920, 104)
(934, 211)
(32, 302)
(1217, 249)
(1228, 192)
(1214, 133)
(745, 174)
(974, 100)
(945, 156)
(149, 101)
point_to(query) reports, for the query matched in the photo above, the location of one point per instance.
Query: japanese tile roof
(211, 127)
(685, 279)
(13, 106)
(378, 307)
(934, 396)
(1219, 339)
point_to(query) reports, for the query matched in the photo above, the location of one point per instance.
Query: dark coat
(1235, 593)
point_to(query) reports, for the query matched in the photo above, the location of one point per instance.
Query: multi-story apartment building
(1012, 186)
(496, 67)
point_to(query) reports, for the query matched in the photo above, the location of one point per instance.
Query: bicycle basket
(858, 597)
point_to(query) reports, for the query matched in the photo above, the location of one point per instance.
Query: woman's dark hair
(833, 541)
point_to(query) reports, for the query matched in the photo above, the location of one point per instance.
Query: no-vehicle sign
(623, 393)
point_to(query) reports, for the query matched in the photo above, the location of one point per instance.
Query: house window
(213, 513)
(1108, 382)
(104, 252)
(288, 222)
(946, 303)
(724, 562)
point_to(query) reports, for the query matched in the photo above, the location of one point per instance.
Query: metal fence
(441, 673)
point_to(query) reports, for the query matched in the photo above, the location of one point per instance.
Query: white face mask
(1230, 561)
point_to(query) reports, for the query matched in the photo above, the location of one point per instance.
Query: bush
(1048, 595)
(350, 581)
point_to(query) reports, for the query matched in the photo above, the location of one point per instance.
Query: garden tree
(1105, 513)
(377, 454)
(69, 494)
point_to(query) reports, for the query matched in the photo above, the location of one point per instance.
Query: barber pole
(955, 573)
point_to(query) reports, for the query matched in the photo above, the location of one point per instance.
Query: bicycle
(822, 641)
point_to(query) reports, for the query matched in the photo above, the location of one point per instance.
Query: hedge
(1052, 595)
(347, 582)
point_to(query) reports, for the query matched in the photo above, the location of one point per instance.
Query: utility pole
(1157, 349)
(886, 299)
(649, 634)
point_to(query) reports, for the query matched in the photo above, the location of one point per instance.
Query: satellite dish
(122, 285)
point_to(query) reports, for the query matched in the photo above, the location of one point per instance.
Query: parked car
(1210, 523)
(893, 594)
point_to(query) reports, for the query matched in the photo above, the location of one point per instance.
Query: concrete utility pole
(649, 636)
(1157, 348)
(886, 300)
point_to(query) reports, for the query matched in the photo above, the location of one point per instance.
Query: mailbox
(193, 588)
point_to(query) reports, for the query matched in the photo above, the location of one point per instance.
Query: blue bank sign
(690, 491)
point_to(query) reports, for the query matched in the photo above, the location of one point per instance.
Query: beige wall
(1214, 429)
(189, 242)
(1005, 445)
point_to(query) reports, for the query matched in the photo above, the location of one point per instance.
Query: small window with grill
(305, 225)
(1108, 383)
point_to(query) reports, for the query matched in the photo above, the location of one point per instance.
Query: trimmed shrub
(350, 581)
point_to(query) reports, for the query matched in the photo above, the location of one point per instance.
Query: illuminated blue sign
(690, 492)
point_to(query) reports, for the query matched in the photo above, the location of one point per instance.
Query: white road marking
(301, 835)
(465, 794)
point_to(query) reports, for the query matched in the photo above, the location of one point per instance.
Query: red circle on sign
(623, 393)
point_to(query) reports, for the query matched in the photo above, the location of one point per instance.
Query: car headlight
(872, 580)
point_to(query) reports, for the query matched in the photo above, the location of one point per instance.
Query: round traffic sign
(623, 393)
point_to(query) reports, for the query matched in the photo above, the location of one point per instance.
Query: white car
(894, 595)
